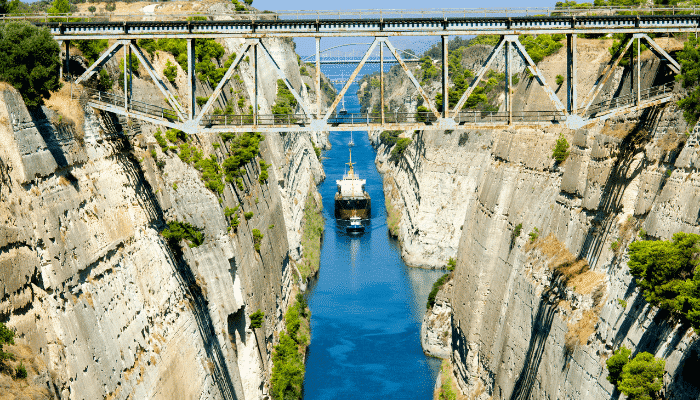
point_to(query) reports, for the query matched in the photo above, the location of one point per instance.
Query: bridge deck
(133, 27)
(373, 121)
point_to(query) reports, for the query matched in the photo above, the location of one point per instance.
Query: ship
(352, 200)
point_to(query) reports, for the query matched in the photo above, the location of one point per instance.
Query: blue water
(366, 305)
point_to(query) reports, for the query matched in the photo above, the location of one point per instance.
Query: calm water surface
(366, 305)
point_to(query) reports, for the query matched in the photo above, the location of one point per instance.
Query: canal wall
(101, 303)
(541, 294)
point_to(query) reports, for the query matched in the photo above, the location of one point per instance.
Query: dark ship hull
(346, 208)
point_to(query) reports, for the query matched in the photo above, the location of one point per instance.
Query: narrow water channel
(366, 304)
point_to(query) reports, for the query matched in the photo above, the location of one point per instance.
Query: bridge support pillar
(255, 67)
(445, 81)
(127, 76)
(638, 73)
(192, 103)
(381, 78)
(571, 79)
(509, 81)
(318, 77)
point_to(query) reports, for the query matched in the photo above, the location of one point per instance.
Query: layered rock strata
(90, 285)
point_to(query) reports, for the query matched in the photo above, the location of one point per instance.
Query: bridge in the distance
(635, 23)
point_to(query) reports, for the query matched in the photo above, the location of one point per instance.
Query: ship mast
(352, 173)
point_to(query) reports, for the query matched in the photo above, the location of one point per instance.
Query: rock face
(94, 290)
(436, 329)
(542, 293)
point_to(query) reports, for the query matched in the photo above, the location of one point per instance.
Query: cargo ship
(352, 200)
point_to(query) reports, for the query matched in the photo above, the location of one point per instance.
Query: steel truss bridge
(637, 24)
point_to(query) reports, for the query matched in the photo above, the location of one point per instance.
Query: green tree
(616, 363)
(29, 61)
(59, 7)
(561, 149)
(6, 337)
(288, 370)
(642, 377)
(256, 319)
(667, 273)
(689, 59)
(9, 7)
(560, 80)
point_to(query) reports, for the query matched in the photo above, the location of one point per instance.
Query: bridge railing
(361, 14)
(117, 99)
(630, 99)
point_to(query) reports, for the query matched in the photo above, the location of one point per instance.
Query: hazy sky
(388, 4)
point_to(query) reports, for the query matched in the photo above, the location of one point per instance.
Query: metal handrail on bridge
(630, 99)
(361, 14)
(134, 105)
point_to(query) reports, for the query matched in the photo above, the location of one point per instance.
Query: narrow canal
(366, 304)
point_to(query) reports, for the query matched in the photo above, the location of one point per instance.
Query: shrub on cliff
(561, 149)
(616, 363)
(257, 239)
(29, 61)
(668, 276)
(436, 288)
(178, 231)
(689, 77)
(256, 319)
(642, 377)
(6, 337)
(399, 149)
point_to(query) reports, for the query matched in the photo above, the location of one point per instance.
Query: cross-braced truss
(188, 119)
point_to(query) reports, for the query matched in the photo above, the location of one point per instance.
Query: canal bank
(366, 304)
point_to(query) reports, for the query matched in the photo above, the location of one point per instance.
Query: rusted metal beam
(478, 77)
(158, 82)
(661, 53)
(607, 72)
(352, 79)
(222, 82)
(411, 77)
(538, 74)
(111, 51)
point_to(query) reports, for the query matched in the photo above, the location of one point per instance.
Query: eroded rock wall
(87, 281)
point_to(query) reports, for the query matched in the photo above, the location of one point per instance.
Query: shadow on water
(366, 304)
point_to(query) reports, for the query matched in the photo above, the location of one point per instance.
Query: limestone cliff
(541, 292)
(88, 283)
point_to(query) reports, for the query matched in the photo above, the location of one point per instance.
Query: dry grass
(69, 110)
(18, 388)
(618, 130)
(581, 330)
(576, 272)
(671, 141)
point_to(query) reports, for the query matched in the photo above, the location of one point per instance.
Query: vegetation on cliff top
(640, 378)
(29, 61)
(667, 273)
